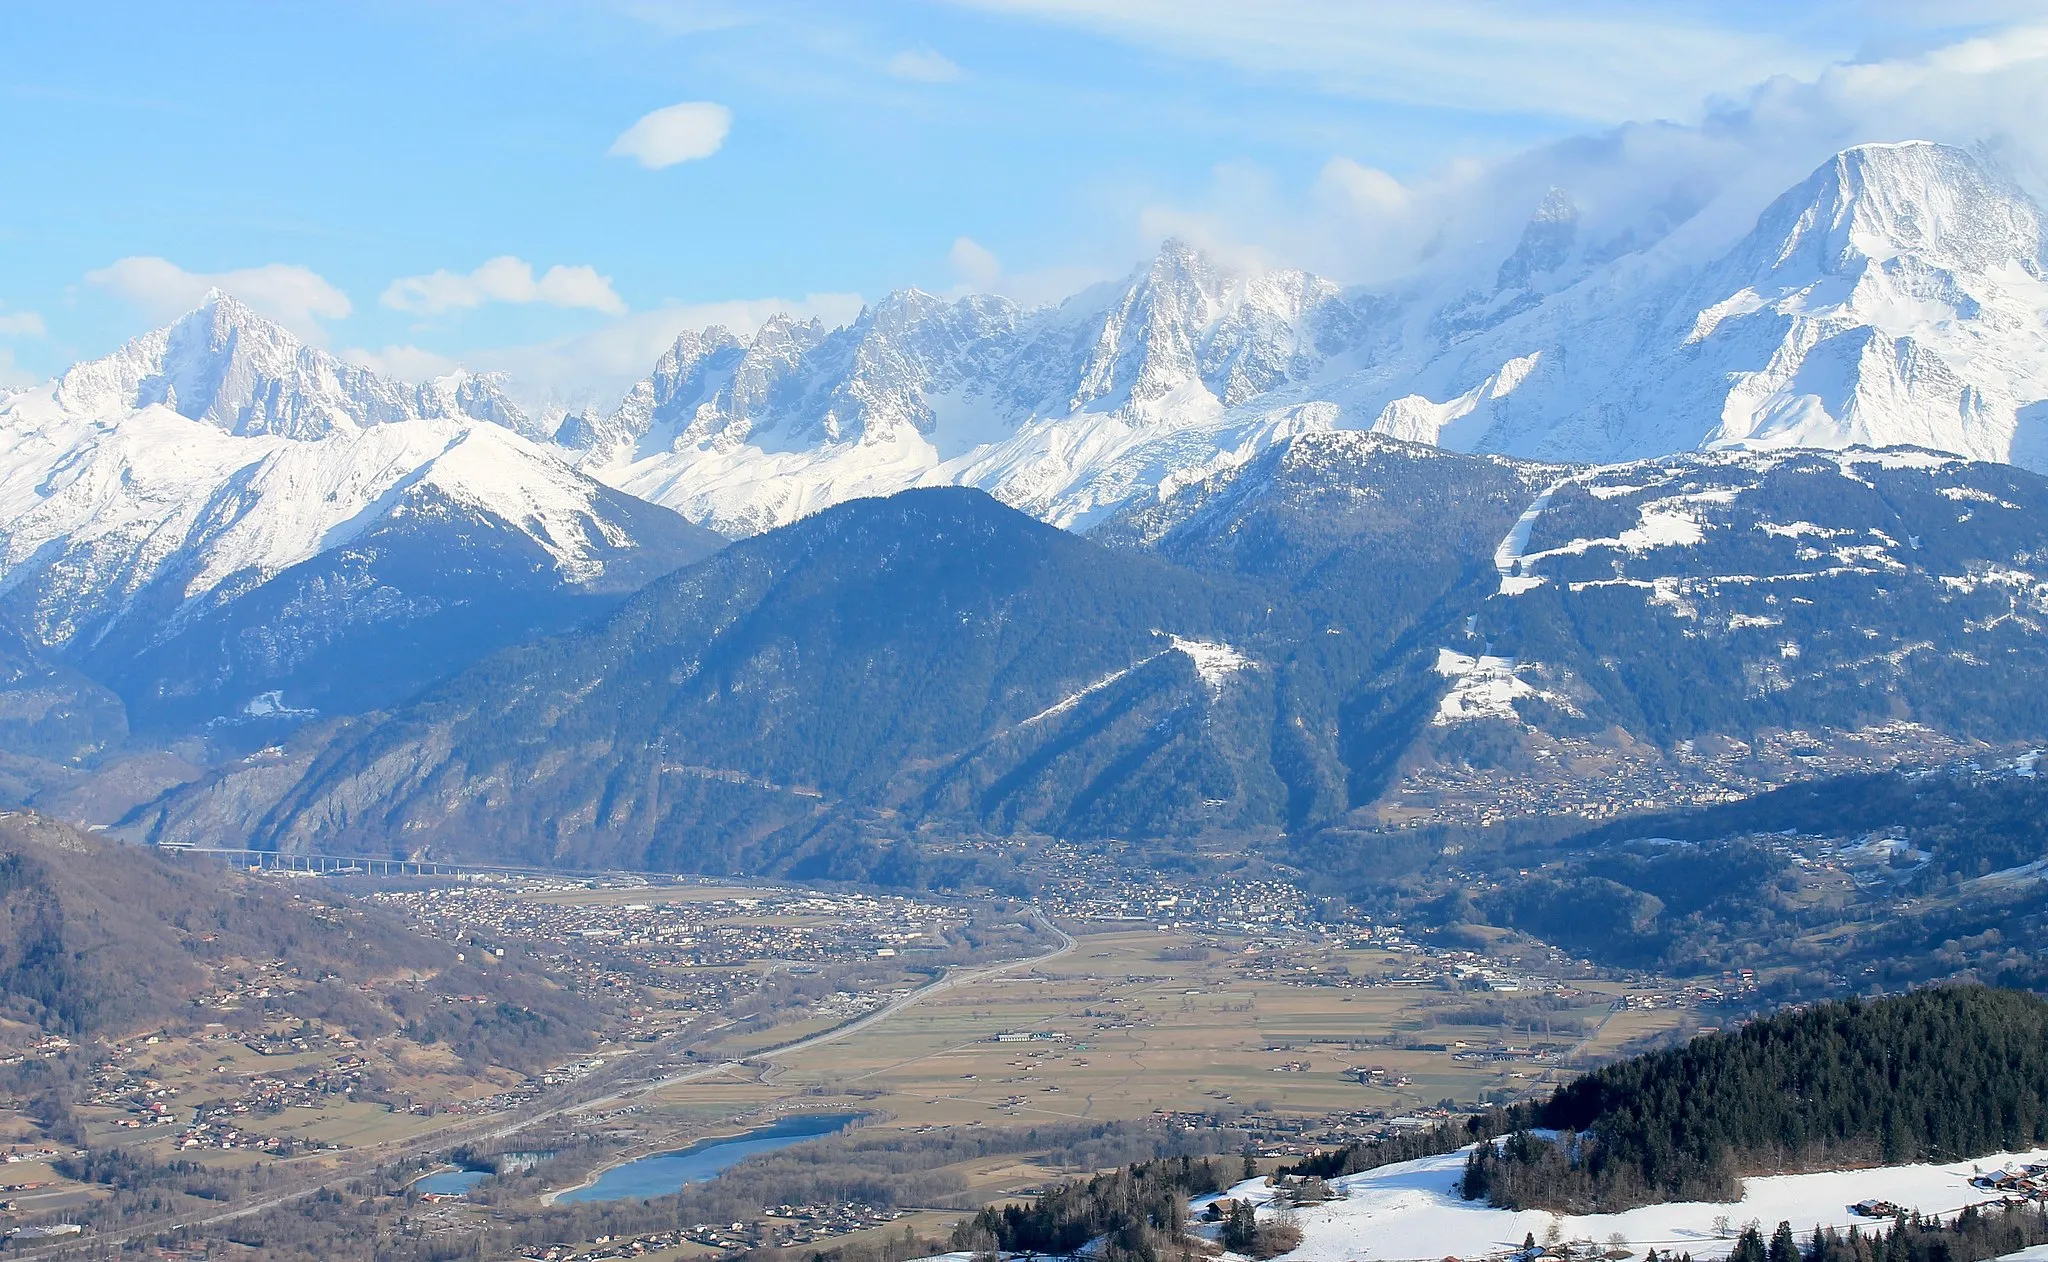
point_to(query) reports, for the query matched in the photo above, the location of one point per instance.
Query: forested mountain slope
(1946, 1073)
(932, 655)
(1801, 588)
(1341, 635)
(100, 937)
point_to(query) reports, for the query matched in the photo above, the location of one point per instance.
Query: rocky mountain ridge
(1897, 295)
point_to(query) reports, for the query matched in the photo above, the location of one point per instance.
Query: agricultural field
(1304, 1036)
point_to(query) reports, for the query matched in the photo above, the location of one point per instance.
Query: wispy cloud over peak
(503, 279)
(1594, 63)
(296, 297)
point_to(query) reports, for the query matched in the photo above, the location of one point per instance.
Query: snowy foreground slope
(1899, 295)
(1413, 1211)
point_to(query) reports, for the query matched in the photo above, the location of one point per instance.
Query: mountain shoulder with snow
(217, 513)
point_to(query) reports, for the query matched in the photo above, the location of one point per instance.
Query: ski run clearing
(1412, 1210)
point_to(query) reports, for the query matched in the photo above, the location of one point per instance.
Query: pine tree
(1783, 1247)
(1241, 1229)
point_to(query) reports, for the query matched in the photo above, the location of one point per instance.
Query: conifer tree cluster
(1937, 1075)
(1140, 1213)
(1971, 1236)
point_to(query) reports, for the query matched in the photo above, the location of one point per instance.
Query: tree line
(1943, 1073)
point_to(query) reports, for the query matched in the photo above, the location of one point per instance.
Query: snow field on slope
(1413, 1211)
(1483, 687)
(158, 492)
(1215, 662)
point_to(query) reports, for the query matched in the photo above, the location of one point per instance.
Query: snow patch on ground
(1507, 558)
(1067, 703)
(1214, 661)
(1973, 495)
(2024, 874)
(1893, 458)
(1795, 529)
(1482, 687)
(1664, 523)
(271, 705)
(1413, 1211)
(1662, 528)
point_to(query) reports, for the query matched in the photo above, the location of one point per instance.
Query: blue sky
(349, 166)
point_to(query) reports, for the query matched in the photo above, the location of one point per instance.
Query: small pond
(667, 1172)
(450, 1182)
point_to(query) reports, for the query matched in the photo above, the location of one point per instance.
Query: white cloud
(979, 271)
(599, 365)
(1703, 184)
(503, 279)
(296, 297)
(1603, 63)
(12, 375)
(407, 363)
(975, 264)
(676, 133)
(922, 65)
(21, 324)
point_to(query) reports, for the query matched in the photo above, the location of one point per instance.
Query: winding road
(951, 980)
(369, 1159)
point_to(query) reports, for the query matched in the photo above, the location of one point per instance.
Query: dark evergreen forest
(1941, 1074)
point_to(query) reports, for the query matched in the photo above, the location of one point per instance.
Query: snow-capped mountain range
(1065, 411)
(225, 365)
(145, 494)
(221, 450)
(1898, 295)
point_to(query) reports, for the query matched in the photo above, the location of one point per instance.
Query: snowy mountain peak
(1181, 264)
(1894, 296)
(218, 487)
(224, 364)
(1546, 241)
(1189, 331)
(1934, 202)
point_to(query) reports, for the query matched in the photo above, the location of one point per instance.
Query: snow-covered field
(1412, 1210)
